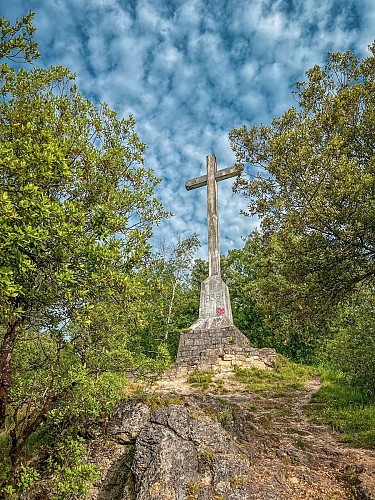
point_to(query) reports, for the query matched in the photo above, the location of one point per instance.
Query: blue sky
(190, 71)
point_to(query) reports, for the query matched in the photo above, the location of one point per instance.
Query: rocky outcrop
(129, 418)
(182, 451)
(232, 447)
(181, 454)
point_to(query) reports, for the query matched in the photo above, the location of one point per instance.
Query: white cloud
(191, 71)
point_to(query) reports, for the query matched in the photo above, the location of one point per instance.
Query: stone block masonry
(219, 348)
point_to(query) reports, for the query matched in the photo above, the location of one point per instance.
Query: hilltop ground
(227, 437)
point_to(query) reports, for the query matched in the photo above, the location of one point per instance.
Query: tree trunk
(19, 440)
(6, 352)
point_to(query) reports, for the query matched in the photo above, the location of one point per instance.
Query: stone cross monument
(214, 300)
(213, 342)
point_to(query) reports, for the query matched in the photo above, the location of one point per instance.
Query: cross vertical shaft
(215, 301)
(213, 218)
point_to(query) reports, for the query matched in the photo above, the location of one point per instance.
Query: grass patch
(159, 400)
(225, 417)
(285, 378)
(265, 421)
(201, 379)
(302, 443)
(345, 408)
(206, 457)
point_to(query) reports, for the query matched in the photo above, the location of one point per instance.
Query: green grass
(284, 379)
(345, 408)
(158, 400)
(201, 379)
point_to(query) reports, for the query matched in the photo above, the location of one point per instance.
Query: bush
(352, 348)
(347, 409)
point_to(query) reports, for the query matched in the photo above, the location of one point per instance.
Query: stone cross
(215, 301)
(211, 179)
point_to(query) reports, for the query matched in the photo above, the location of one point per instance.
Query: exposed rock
(185, 453)
(232, 447)
(114, 460)
(128, 419)
(160, 464)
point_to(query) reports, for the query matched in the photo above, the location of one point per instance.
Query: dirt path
(297, 459)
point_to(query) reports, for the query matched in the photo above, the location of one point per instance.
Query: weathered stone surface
(128, 419)
(182, 454)
(220, 345)
(203, 431)
(211, 179)
(214, 300)
(114, 460)
(159, 468)
(210, 448)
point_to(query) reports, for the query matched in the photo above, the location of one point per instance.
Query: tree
(16, 42)
(238, 269)
(171, 305)
(77, 210)
(314, 190)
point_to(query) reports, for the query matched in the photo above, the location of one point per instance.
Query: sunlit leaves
(315, 187)
(16, 41)
(77, 210)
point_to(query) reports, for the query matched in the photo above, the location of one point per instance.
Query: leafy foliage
(71, 473)
(84, 301)
(314, 187)
(171, 302)
(16, 41)
(239, 272)
(351, 349)
(77, 210)
(313, 258)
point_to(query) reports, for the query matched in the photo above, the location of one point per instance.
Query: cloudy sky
(191, 70)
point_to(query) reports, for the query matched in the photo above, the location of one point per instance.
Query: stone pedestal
(213, 342)
(215, 301)
(219, 347)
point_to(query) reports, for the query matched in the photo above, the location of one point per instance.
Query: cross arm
(221, 175)
(226, 173)
(196, 183)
